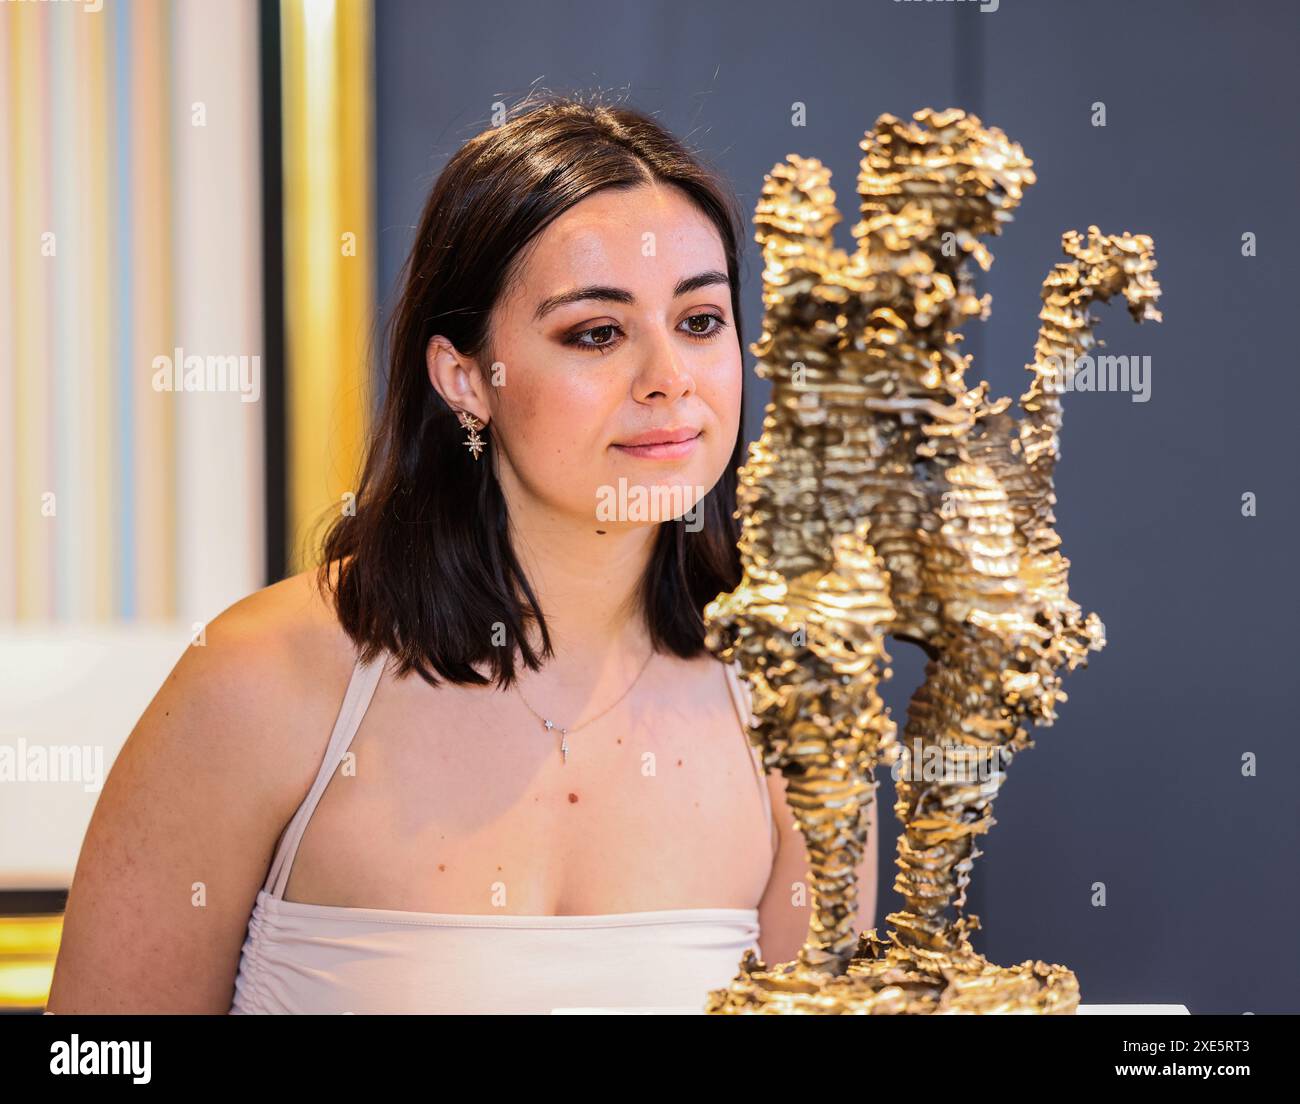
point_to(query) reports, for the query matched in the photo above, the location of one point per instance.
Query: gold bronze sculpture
(886, 498)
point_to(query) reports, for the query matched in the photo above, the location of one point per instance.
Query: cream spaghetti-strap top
(305, 958)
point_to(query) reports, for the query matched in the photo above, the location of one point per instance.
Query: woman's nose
(663, 370)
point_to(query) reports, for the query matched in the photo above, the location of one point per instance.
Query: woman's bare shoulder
(291, 626)
(297, 607)
(269, 671)
(195, 801)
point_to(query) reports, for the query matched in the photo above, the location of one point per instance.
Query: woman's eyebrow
(605, 293)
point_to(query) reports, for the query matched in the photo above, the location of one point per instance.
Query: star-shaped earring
(475, 442)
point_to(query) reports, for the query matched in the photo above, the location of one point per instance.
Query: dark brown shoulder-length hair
(425, 567)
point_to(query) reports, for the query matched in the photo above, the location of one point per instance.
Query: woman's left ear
(455, 377)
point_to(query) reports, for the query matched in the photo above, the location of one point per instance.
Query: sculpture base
(891, 978)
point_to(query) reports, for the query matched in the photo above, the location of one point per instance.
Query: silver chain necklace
(548, 724)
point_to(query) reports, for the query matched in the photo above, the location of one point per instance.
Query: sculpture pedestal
(889, 979)
(1083, 1010)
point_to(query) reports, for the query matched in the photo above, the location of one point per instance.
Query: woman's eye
(602, 337)
(712, 331)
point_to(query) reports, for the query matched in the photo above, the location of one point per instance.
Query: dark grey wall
(1139, 785)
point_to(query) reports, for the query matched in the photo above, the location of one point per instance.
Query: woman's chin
(647, 498)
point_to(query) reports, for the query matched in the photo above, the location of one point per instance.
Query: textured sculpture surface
(885, 497)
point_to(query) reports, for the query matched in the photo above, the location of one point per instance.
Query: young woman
(481, 760)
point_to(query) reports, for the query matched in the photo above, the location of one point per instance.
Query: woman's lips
(672, 451)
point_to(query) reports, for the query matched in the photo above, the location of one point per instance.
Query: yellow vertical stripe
(96, 198)
(329, 252)
(153, 330)
(34, 476)
(8, 365)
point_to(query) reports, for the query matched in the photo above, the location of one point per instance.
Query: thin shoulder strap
(742, 699)
(361, 688)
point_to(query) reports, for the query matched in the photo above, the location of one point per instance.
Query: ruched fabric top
(307, 958)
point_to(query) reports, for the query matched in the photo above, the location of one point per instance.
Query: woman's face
(617, 328)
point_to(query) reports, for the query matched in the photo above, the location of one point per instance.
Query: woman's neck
(588, 587)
